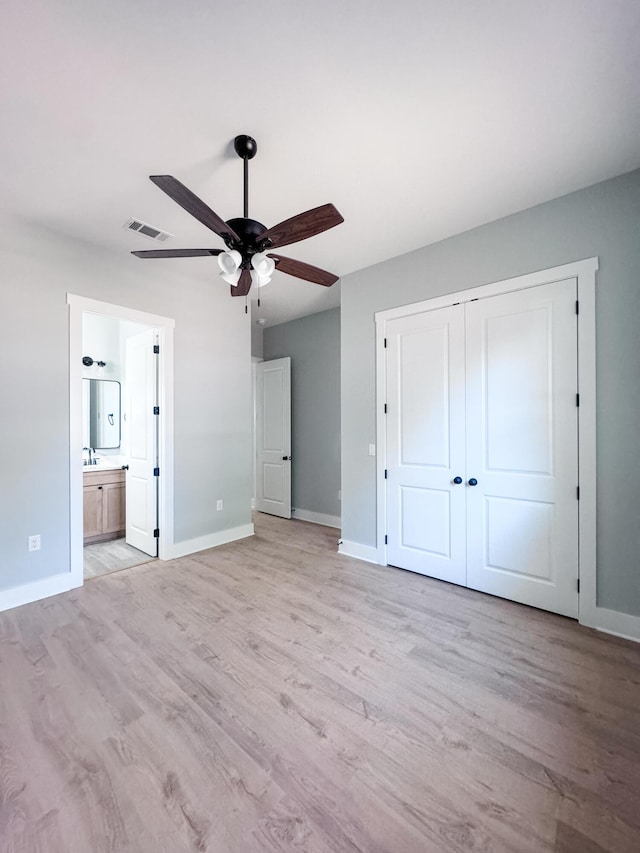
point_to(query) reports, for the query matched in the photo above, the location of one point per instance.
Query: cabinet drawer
(102, 478)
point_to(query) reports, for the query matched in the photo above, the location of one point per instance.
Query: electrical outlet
(219, 505)
(372, 450)
(34, 543)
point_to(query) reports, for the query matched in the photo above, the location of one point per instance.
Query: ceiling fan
(248, 259)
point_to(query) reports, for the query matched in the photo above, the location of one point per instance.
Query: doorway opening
(121, 450)
(120, 443)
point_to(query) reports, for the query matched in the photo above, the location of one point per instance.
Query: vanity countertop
(103, 465)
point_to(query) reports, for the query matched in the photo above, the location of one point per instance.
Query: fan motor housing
(249, 230)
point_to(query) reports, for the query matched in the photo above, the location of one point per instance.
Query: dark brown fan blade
(177, 253)
(300, 227)
(243, 286)
(193, 205)
(305, 271)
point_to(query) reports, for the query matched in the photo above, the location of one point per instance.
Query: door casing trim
(584, 272)
(78, 305)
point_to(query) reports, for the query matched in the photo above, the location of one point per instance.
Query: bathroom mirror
(101, 407)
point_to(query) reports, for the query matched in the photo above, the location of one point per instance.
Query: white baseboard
(360, 552)
(211, 540)
(317, 517)
(26, 593)
(619, 624)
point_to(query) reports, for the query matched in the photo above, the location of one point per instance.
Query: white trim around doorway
(78, 305)
(585, 273)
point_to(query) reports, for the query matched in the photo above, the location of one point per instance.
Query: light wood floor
(271, 695)
(102, 558)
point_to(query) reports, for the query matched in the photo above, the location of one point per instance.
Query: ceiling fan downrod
(247, 148)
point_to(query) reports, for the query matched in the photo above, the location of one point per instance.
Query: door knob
(284, 458)
(473, 481)
(457, 480)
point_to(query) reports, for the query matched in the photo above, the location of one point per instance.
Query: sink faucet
(90, 461)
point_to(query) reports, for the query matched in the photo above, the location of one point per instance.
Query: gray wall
(313, 343)
(213, 409)
(256, 340)
(602, 220)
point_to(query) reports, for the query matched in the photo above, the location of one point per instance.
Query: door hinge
(577, 307)
(156, 349)
(386, 539)
(578, 584)
(156, 410)
(156, 472)
(577, 399)
(577, 492)
(385, 343)
(385, 473)
(156, 533)
(385, 408)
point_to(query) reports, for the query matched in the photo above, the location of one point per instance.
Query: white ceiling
(418, 119)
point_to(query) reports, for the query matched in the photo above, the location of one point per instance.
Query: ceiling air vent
(147, 230)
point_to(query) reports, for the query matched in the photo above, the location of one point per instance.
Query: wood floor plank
(273, 695)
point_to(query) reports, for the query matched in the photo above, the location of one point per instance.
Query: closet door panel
(425, 443)
(522, 516)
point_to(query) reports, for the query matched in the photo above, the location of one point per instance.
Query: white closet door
(425, 444)
(522, 516)
(273, 432)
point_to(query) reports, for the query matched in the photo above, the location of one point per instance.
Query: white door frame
(255, 360)
(77, 306)
(585, 273)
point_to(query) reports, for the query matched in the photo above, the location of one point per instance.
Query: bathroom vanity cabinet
(104, 505)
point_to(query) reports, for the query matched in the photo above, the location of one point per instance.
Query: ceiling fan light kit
(229, 263)
(248, 260)
(263, 269)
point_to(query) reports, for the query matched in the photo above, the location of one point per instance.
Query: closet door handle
(457, 480)
(473, 481)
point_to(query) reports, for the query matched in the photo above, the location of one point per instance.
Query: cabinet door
(92, 508)
(113, 501)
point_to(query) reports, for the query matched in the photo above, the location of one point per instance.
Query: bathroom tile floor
(102, 558)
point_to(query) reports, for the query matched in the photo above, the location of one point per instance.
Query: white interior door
(485, 393)
(141, 428)
(426, 444)
(273, 437)
(522, 440)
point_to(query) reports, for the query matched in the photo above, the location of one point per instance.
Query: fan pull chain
(246, 310)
